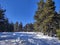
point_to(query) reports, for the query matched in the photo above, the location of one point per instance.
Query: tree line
(6, 26)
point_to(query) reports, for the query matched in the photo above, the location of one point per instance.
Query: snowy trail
(27, 38)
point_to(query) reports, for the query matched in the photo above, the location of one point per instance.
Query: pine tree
(16, 27)
(6, 25)
(10, 27)
(49, 10)
(45, 17)
(40, 10)
(2, 20)
(20, 27)
(29, 27)
(38, 14)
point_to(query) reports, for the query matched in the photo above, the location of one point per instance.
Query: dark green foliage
(3, 21)
(28, 27)
(20, 27)
(58, 33)
(10, 27)
(47, 19)
(38, 15)
(5, 26)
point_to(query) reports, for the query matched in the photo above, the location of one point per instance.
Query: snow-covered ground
(27, 38)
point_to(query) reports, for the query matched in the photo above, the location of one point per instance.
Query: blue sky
(22, 10)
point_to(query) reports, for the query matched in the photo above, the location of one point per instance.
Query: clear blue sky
(22, 10)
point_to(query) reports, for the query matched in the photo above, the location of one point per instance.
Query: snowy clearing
(27, 38)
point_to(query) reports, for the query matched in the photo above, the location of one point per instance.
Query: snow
(27, 38)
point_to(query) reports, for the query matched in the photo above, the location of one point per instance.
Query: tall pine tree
(45, 17)
(37, 16)
(49, 10)
(2, 20)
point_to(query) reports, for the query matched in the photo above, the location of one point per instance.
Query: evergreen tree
(16, 27)
(10, 27)
(20, 27)
(28, 27)
(2, 20)
(6, 25)
(38, 14)
(49, 13)
(25, 28)
(44, 17)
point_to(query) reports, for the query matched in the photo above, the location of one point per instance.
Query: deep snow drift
(27, 38)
